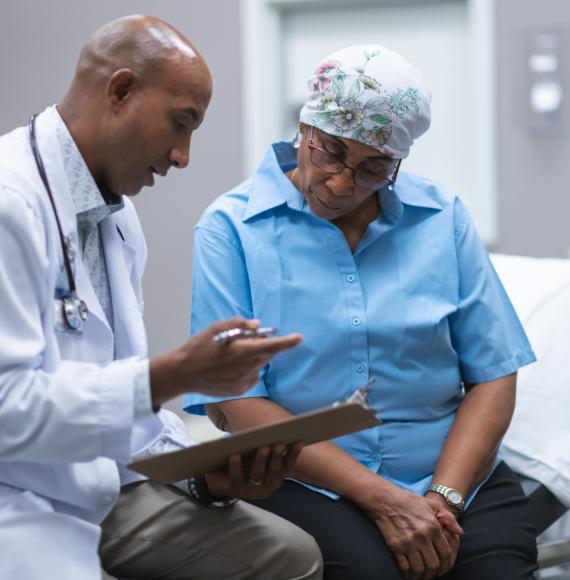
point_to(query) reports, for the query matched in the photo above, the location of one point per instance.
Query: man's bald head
(144, 44)
(140, 89)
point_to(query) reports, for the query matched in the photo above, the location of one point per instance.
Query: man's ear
(120, 88)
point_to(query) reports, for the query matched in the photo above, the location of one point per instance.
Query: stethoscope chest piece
(75, 312)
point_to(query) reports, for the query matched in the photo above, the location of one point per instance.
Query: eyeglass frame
(390, 181)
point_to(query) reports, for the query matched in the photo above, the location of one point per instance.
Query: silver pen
(227, 336)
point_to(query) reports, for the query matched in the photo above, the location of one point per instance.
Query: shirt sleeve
(220, 290)
(485, 330)
(154, 434)
(143, 396)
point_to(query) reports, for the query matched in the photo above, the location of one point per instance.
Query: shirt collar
(414, 191)
(282, 156)
(270, 186)
(84, 191)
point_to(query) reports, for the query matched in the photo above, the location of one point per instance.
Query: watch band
(198, 489)
(453, 498)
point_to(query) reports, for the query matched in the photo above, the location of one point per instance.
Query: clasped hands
(422, 532)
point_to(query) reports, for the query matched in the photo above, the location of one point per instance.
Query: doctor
(78, 395)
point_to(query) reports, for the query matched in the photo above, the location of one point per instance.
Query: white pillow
(537, 443)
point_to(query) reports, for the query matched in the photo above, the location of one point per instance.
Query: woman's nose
(342, 183)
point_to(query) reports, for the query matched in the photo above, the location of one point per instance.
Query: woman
(385, 275)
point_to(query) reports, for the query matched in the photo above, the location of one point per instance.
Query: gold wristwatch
(453, 498)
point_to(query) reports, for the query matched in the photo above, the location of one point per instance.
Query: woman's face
(331, 189)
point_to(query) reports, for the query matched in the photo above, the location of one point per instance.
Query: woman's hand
(255, 479)
(424, 546)
(448, 520)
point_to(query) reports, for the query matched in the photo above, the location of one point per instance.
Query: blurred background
(498, 70)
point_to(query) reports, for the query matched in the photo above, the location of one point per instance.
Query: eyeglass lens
(366, 174)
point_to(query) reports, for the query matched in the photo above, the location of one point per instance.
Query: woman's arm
(408, 523)
(471, 447)
(323, 464)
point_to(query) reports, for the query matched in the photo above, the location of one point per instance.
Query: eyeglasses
(369, 174)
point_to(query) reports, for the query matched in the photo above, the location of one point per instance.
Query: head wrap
(370, 94)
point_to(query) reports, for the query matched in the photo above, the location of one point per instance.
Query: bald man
(79, 397)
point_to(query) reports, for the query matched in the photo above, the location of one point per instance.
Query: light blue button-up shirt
(417, 305)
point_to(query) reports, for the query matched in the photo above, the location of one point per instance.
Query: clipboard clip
(360, 396)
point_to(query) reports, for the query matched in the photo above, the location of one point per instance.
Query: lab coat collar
(129, 331)
(53, 163)
(51, 155)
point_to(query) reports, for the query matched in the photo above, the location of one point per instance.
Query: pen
(227, 336)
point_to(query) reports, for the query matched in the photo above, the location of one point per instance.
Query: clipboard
(312, 427)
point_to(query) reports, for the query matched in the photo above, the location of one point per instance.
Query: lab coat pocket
(71, 342)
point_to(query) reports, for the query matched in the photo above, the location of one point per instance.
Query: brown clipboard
(311, 427)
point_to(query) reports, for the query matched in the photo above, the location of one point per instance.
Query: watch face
(454, 497)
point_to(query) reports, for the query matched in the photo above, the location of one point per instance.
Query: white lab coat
(66, 406)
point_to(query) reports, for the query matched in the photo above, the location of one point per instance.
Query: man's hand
(205, 366)
(256, 479)
(421, 544)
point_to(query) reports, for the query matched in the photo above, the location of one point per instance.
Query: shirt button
(350, 278)
(355, 321)
(359, 367)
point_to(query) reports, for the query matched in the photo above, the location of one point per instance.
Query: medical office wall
(508, 166)
(39, 45)
(533, 89)
(511, 168)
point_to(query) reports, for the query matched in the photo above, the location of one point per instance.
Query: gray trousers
(158, 532)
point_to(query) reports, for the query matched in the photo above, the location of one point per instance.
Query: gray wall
(39, 45)
(534, 164)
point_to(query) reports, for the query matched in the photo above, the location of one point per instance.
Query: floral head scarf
(370, 94)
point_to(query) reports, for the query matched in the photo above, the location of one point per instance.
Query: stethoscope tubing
(74, 310)
(43, 175)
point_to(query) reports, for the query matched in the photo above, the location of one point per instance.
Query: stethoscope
(74, 311)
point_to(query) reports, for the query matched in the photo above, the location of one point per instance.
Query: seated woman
(385, 276)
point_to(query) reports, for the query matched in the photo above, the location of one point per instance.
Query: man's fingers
(251, 381)
(235, 322)
(271, 346)
(258, 466)
(235, 472)
(291, 456)
(274, 467)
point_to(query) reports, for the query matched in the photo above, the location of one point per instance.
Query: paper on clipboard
(312, 427)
